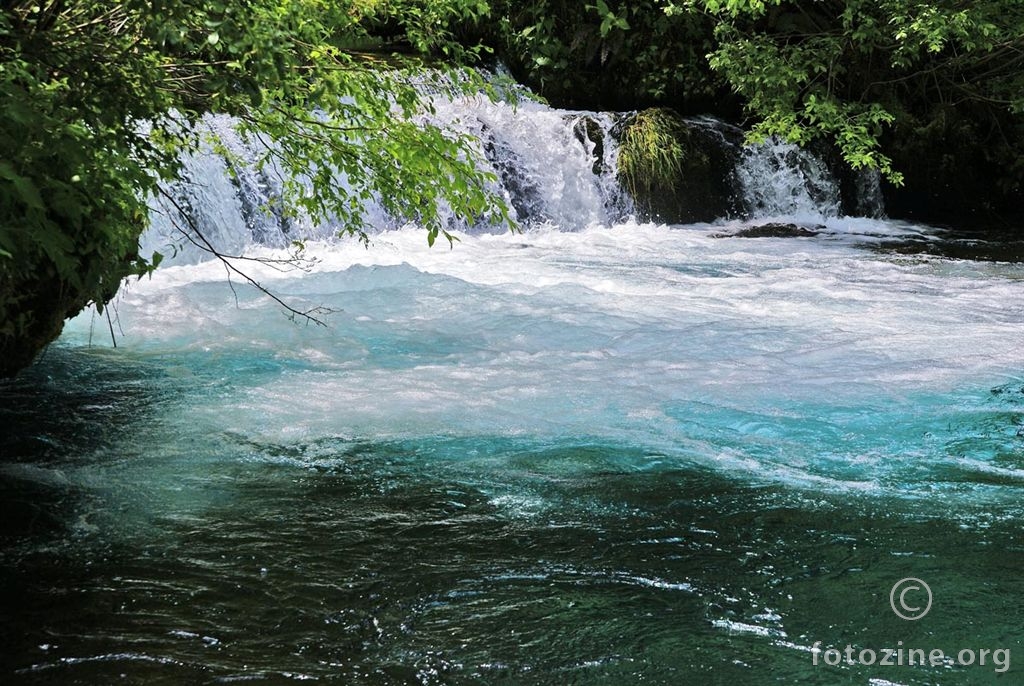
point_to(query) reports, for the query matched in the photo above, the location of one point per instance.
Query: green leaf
(25, 187)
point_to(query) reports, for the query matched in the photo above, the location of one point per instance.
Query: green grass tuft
(652, 152)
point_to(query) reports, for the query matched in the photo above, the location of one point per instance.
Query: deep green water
(686, 461)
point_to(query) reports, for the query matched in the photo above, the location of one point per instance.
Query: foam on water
(594, 452)
(810, 361)
(783, 180)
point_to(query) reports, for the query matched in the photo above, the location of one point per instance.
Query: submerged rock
(773, 230)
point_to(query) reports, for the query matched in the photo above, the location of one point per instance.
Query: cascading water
(783, 180)
(596, 452)
(554, 168)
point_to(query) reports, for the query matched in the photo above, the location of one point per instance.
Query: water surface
(637, 454)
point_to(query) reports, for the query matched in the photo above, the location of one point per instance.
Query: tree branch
(312, 315)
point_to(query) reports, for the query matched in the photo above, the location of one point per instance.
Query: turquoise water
(629, 455)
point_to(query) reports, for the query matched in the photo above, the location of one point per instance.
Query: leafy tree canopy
(894, 85)
(100, 98)
(847, 69)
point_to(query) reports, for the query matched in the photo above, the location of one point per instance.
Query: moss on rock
(675, 170)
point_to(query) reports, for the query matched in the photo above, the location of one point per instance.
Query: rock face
(524, 194)
(35, 300)
(677, 170)
(587, 130)
(39, 312)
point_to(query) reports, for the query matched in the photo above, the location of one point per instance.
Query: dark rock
(695, 178)
(524, 195)
(36, 299)
(40, 304)
(773, 230)
(587, 129)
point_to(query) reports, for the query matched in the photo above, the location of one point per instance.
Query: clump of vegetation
(651, 152)
(929, 93)
(675, 171)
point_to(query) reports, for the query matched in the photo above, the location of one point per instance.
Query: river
(599, 451)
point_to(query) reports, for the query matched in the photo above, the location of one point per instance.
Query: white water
(795, 359)
(782, 180)
(810, 360)
(546, 172)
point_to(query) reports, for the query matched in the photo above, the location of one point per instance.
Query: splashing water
(783, 180)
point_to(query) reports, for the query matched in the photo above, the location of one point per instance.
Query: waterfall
(601, 451)
(784, 180)
(554, 168)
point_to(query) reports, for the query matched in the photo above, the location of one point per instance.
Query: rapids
(600, 451)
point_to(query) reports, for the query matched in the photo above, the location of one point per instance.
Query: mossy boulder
(35, 310)
(677, 170)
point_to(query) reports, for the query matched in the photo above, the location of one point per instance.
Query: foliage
(933, 89)
(603, 53)
(651, 154)
(99, 99)
(850, 70)
(676, 170)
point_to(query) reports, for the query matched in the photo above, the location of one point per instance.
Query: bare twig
(111, 325)
(311, 316)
